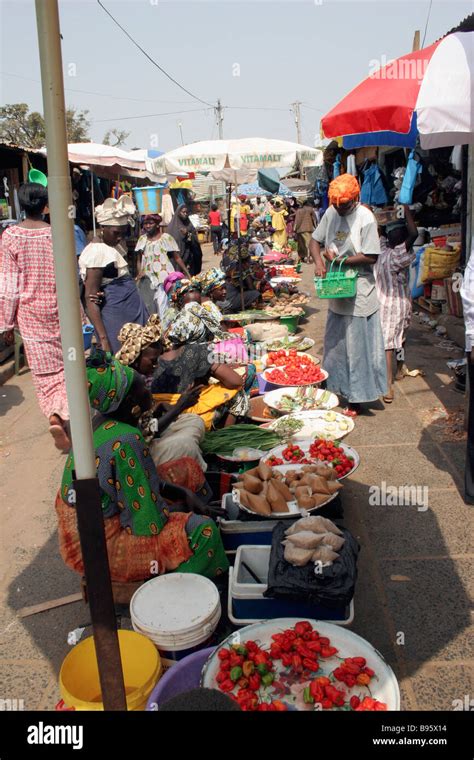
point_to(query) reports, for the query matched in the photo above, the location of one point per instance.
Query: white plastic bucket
(178, 612)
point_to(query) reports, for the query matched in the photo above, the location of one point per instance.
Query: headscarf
(209, 280)
(194, 324)
(108, 381)
(180, 288)
(171, 279)
(179, 229)
(115, 213)
(153, 217)
(135, 338)
(343, 189)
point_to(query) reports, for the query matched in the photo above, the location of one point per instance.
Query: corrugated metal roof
(13, 146)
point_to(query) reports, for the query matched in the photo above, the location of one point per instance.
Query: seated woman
(173, 437)
(187, 363)
(238, 267)
(140, 527)
(180, 292)
(213, 288)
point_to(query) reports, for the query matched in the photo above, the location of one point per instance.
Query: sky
(258, 57)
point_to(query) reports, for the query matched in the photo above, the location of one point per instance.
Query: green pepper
(240, 649)
(307, 696)
(268, 679)
(248, 668)
(235, 673)
(262, 668)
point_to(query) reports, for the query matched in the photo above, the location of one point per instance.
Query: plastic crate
(246, 603)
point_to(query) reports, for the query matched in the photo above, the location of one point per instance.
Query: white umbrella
(235, 160)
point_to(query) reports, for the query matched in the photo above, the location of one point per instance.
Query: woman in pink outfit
(28, 301)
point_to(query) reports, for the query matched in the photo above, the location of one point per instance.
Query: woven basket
(336, 284)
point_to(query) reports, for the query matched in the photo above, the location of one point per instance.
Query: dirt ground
(415, 568)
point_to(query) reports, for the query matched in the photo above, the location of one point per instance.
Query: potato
(264, 471)
(276, 500)
(259, 504)
(282, 488)
(251, 484)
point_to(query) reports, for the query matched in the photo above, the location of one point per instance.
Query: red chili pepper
(360, 661)
(324, 641)
(254, 681)
(315, 636)
(263, 707)
(227, 685)
(223, 654)
(235, 659)
(350, 667)
(314, 646)
(221, 676)
(302, 627)
(354, 702)
(225, 665)
(251, 646)
(297, 663)
(307, 636)
(327, 704)
(287, 660)
(286, 645)
(328, 651)
(369, 672)
(261, 658)
(275, 652)
(323, 681)
(310, 664)
(279, 705)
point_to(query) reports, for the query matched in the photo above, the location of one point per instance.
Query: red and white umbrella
(435, 83)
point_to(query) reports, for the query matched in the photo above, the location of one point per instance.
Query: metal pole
(181, 132)
(88, 504)
(296, 111)
(93, 202)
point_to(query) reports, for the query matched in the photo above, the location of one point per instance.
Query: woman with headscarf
(242, 209)
(189, 360)
(180, 292)
(173, 437)
(158, 256)
(354, 354)
(183, 231)
(140, 526)
(238, 268)
(28, 300)
(103, 268)
(279, 215)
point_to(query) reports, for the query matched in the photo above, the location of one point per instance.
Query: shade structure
(435, 83)
(393, 139)
(235, 160)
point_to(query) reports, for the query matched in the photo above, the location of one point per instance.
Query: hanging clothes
(372, 191)
(351, 165)
(414, 167)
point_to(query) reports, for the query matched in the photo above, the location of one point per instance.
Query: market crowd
(168, 365)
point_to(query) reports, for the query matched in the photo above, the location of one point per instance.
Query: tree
(119, 135)
(22, 127)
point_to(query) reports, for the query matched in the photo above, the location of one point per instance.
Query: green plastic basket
(336, 284)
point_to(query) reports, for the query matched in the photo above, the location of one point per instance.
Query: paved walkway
(415, 568)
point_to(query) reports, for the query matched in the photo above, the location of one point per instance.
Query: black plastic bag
(333, 586)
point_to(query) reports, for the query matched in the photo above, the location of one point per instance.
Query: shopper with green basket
(354, 353)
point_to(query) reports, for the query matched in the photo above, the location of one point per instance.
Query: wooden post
(416, 41)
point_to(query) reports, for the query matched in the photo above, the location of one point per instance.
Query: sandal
(349, 411)
(388, 399)
(61, 438)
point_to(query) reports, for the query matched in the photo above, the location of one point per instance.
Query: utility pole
(180, 125)
(219, 119)
(416, 41)
(296, 111)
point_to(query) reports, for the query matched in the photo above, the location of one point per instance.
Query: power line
(312, 108)
(152, 60)
(150, 115)
(426, 25)
(256, 108)
(101, 94)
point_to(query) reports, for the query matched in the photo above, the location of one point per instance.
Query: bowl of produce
(271, 493)
(259, 411)
(283, 357)
(297, 372)
(316, 424)
(298, 342)
(241, 459)
(245, 317)
(300, 399)
(343, 459)
(280, 280)
(224, 442)
(301, 665)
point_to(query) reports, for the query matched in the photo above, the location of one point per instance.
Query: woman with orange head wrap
(354, 352)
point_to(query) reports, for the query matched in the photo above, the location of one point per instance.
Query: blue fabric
(372, 191)
(354, 357)
(79, 239)
(337, 166)
(412, 171)
(122, 303)
(396, 139)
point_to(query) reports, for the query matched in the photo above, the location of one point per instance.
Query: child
(391, 279)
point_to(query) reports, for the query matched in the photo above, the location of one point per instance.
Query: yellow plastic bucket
(79, 675)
